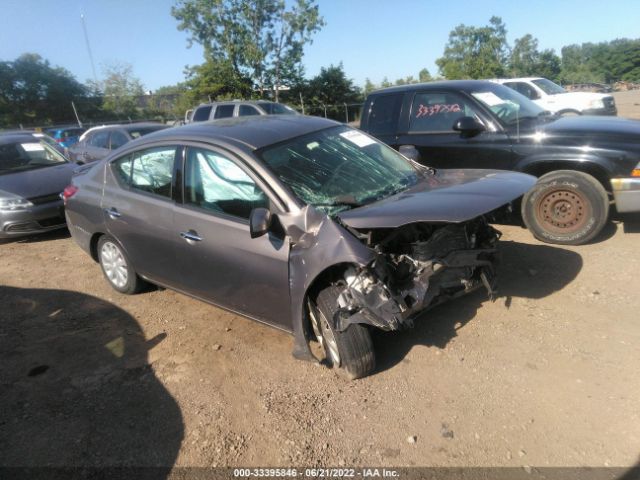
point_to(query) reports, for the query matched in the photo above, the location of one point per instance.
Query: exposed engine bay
(416, 267)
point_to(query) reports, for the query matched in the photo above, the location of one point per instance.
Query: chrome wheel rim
(324, 334)
(114, 264)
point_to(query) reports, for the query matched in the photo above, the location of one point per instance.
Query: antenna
(86, 40)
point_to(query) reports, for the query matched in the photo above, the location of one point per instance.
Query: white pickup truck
(554, 98)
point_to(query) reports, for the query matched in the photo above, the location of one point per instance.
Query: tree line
(483, 52)
(254, 49)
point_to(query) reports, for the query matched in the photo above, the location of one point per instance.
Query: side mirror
(410, 152)
(468, 126)
(259, 222)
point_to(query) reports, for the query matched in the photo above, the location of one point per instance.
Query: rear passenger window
(437, 112)
(246, 110)
(384, 113)
(100, 139)
(202, 114)
(526, 90)
(224, 111)
(149, 170)
(118, 139)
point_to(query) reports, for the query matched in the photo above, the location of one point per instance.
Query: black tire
(569, 113)
(117, 268)
(566, 207)
(355, 356)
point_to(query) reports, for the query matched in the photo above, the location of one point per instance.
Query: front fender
(603, 167)
(322, 245)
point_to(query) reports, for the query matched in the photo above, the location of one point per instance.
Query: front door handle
(191, 235)
(113, 213)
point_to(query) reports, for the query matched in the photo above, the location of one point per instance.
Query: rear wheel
(566, 207)
(117, 268)
(350, 351)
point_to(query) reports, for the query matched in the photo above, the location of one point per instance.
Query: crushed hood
(449, 196)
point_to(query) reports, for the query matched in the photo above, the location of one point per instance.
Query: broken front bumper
(367, 300)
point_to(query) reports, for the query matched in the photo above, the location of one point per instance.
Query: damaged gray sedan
(298, 222)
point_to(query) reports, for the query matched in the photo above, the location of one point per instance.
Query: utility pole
(86, 41)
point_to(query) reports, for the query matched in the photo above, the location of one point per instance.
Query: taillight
(68, 192)
(59, 140)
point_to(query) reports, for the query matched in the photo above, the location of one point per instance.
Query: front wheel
(352, 350)
(117, 268)
(566, 207)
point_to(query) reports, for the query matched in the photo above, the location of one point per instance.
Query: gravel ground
(628, 103)
(546, 375)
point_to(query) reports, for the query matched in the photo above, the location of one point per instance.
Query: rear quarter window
(202, 114)
(383, 114)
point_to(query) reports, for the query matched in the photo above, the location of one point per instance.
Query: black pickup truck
(583, 163)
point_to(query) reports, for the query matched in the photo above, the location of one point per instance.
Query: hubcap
(114, 264)
(563, 211)
(324, 334)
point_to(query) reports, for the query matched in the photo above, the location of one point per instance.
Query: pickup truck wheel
(350, 351)
(565, 207)
(117, 268)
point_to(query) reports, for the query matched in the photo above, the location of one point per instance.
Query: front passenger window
(215, 183)
(437, 112)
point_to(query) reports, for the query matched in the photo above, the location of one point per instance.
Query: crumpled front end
(415, 268)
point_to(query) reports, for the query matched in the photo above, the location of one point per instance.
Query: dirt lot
(628, 103)
(546, 375)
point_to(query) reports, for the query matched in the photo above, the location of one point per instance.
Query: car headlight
(14, 203)
(596, 103)
(636, 171)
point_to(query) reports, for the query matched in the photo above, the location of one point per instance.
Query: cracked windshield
(340, 168)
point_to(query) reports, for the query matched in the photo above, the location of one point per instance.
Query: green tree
(601, 62)
(260, 39)
(526, 60)
(475, 52)
(368, 87)
(385, 83)
(328, 92)
(34, 92)
(121, 90)
(424, 76)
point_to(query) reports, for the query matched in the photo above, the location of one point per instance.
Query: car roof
(243, 102)
(252, 131)
(125, 126)
(13, 137)
(519, 79)
(448, 84)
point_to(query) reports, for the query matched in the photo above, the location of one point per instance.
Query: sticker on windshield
(358, 138)
(32, 147)
(490, 98)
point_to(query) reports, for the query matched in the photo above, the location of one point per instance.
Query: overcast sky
(372, 38)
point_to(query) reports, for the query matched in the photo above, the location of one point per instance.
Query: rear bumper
(626, 192)
(37, 219)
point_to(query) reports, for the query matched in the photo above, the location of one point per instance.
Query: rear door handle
(113, 213)
(191, 235)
